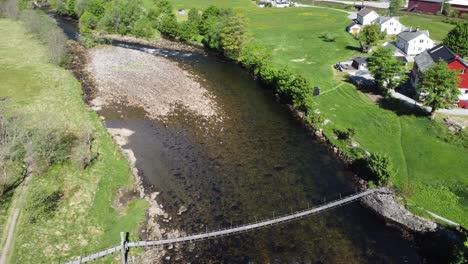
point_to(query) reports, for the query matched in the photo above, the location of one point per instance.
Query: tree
(446, 8)
(194, 18)
(388, 72)
(457, 39)
(380, 167)
(439, 84)
(370, 34)
(208, 19)
(234, 35)
(395, 6)
(254, 55)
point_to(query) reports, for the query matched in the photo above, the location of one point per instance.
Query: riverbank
(85, 219)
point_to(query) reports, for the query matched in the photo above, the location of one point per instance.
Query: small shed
(360, 63)
(181, 11)
(354, 28)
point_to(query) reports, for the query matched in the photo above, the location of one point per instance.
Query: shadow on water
(256, 163)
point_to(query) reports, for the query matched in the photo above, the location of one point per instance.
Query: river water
(258, 162)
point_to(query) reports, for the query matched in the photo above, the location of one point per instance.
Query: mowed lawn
(432, 172)
(437, 29)
(49, 96)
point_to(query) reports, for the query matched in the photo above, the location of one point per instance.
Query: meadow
(85, 219)
(431, 170)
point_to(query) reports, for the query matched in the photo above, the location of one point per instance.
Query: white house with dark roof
(413, 42)
(280, 3)
(366, 16)
(390, 25)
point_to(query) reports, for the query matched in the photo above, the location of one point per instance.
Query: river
(258, 162)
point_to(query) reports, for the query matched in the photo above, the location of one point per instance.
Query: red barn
(425, 6)
(424, 60)
(433, 6)
(460, 5)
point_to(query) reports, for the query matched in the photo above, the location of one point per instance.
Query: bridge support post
(123, 243)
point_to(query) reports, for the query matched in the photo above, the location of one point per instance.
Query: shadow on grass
(401, 107)
(353, 48)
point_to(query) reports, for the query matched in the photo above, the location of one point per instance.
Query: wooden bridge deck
(232, 230)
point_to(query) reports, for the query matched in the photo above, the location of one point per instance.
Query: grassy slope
(424, 162)
(50, 96)
(437, 29)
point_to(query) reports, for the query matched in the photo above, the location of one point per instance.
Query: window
(466, 91)
(421, 41)
(463, 71)
(419, 49)
(391, 23)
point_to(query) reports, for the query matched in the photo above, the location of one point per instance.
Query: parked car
(463, 104)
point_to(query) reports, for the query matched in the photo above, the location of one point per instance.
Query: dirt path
(17, 205)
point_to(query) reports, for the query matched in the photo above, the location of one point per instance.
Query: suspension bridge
(124, 246)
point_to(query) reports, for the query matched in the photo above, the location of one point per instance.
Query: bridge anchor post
(123, 243)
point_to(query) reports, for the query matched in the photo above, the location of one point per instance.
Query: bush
(88, 22)
(327, 37)
(42, 203)
(53, 147)
(380, 168)
(345, 135)
(82, 154)
(143, 28)
(253, 56)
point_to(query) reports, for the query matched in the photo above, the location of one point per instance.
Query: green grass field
(47, 95)
(437, 29)
(432, 171)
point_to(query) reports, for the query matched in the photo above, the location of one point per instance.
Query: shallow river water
(256, 163)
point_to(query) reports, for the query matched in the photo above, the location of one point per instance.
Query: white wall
(367, 20)
(419, 45)
(463, 94)
(391, 27)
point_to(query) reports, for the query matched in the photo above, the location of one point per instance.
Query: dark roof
(364, 12)
(361, 60)
(409, 35)
(425, 59)
(353, 24)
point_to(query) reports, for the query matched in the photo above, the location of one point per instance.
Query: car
(463, 104)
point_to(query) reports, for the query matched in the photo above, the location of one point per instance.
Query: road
(455, 111)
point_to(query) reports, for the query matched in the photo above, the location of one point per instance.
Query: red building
(433, 6)
(426, 59)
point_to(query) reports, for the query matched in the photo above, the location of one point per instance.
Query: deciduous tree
(234, 35)
(370, 34)
(388, 72)
(457, 39)
(439, 86)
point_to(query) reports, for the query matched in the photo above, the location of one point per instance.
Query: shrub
(187, 31)
(53, 147)
(88, 21)
(254, 55)
(82, 154)
(314, 118)
(380, 168)
(143, 28)
(327, 37)
(41, 203)
(345, 135)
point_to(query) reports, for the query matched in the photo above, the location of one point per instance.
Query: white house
(354, 28)
(390, 25)
(280, 3)
(413, 42)
(366, 16)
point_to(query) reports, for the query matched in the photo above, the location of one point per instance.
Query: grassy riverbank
(430, 164)
(85, 219)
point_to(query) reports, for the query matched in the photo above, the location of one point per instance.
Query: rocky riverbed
(143, 80)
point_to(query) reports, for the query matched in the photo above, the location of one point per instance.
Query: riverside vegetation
(291, 58)
(422, 158)
(46, 129)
